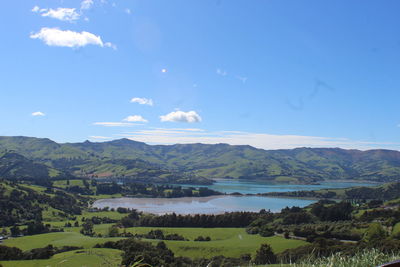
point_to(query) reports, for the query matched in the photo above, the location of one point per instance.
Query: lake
(203, 205)
(254, 187)
(221, 204)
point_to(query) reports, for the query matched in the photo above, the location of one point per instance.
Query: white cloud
(135, 118)
(57, 37)
(114, 124)
(61, 13)
(258, 140)
(113, 46)
(97, 137)
(181, 116)
(38, 113)
(142, 101)
(183, 129)
(222, 72)
(128, 11)
(86, 4)
(35, 9)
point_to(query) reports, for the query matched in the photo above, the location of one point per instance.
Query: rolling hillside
(14, 166)
(127, 158)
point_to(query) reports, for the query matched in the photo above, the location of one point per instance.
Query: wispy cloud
(86, 4)
(38, 113)
(181, 116)
(128, 11)
(61, 13)
(98, 137)
(142, 101)
(114, 124)
(57, 37)
(221, 72)
(258, 140)
(35, 9)
(135, 118)
(183, 129)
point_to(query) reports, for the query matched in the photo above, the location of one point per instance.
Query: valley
(125, 202)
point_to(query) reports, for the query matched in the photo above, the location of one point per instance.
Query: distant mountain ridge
(128, 158)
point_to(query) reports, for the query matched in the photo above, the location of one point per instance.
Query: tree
(374, 233)
(4, 232)
(266, 231)
(15, 231)
(87, 228)
(113, 231)
(286, 235)
(265, 255)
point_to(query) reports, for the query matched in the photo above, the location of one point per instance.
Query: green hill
(188, 162)
(14, 166)
(385, 192)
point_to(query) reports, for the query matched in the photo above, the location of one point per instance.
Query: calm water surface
(254, 187)
(204, 205)
(220, 204)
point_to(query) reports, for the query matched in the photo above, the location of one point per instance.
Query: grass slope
(55, 239)
(230, 242)
(231, 247)
(97, 257)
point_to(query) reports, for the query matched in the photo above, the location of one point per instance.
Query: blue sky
(272, 74)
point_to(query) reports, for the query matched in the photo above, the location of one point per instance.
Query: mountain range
(197, 163)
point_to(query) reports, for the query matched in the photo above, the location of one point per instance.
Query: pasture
(230, 242)
(97, 257)
(56, 239)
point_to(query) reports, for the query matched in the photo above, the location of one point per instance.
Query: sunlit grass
(366, 258)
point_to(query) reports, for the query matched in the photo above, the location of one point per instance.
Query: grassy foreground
(230, 242)
(96, 257)
(366, 258)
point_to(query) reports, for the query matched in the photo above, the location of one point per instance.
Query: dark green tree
(265, 255)
(15, 231)
(87, 228)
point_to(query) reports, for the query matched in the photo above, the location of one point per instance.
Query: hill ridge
(302, 165)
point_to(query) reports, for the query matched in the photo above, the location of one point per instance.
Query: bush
(200, 238)
(265, 255)
(266, 231)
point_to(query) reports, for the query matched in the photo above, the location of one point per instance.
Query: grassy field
(97, 257)
(232, 247)
(64, 183)
(60, 222)
(231, 242)
(56, 239)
